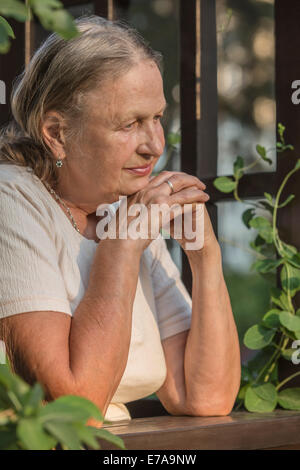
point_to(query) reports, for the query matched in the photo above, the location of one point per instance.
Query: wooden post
(198, 88)
(287, 19)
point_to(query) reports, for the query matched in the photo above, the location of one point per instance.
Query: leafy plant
(26, 423)
(280, 326)
(50, 13)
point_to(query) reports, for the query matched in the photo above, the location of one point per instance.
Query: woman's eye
(129, 126)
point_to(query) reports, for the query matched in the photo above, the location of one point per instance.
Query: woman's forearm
(212, 354)
(101, 326)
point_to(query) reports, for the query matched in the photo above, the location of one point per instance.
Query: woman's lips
(141, 171)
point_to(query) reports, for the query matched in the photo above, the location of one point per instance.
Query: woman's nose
(154, 141)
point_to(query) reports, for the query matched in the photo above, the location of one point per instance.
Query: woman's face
(122, 131)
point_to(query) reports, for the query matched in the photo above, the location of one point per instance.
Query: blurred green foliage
(250, 298)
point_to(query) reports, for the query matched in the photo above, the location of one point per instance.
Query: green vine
(280, 326)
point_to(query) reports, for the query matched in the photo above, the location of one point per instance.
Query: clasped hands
(182, 202)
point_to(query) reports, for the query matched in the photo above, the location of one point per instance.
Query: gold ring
(171, 186)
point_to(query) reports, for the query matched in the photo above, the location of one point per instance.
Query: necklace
(64, 205)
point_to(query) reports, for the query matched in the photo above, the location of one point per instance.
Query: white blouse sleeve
(172, 300)
(31, 279)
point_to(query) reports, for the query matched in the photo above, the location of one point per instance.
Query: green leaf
(116, 440)
(64, 433)
(237, 167)
(14, 9)
(261, 150)
(288, 199)
(263, 153)
(5, 402)
(15, 387)
(33, 400)
(173, 138)
(259, 223)
(7, 27)
(247, 216)
(290, 321)
(264, 227)
(32, 435)
(242, 392)
(224, 184)
(46, 4)
(271, 318)
(289, 398)
(266, 265)
(70, 408)
(87, 435)
(289, 251)
(8, 436)
(53, 17)
(268, 250)
(4, 41)
(258, 337)
(261, 398)
(290, 279)
(266, 392)
(258, 243)
(269, 197)
(295, 260)
(279, 297)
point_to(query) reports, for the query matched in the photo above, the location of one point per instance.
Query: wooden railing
(279, 429)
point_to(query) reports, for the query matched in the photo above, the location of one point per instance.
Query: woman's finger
(178, 179)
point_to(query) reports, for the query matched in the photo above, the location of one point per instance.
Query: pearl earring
(59, 163)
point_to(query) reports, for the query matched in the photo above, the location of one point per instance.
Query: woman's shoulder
(21, 189)
(12, 173)
(19, 180)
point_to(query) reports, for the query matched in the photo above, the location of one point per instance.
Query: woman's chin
(128, 190)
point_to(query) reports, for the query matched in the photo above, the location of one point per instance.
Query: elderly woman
(109, 320)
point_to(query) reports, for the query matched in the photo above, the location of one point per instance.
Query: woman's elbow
(210, 409)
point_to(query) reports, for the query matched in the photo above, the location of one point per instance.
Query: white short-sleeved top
(45, 265)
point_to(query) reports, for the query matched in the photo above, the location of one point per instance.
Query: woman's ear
(53, 132)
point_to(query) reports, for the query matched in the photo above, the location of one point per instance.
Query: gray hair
(59, 76)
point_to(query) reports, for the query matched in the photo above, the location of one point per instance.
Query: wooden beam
(240, 430)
